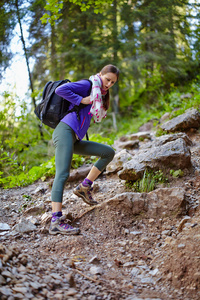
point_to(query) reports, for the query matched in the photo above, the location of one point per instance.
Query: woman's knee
(110, 153)
(62, 177)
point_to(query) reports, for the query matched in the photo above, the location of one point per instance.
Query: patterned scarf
(97, 110)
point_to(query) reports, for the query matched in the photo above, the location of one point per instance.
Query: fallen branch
(89, 210)
(101, 205)
(89, 278)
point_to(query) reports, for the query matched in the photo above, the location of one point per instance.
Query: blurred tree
(7, 25)
(155, 44)
(54, 8)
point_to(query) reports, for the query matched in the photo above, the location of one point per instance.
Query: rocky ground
(118, 255)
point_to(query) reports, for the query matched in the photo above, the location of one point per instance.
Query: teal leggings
(66, 144)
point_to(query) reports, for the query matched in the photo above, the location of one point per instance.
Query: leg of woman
(106, 154)
(64, 139)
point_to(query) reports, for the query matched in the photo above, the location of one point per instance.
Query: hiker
(68, 135)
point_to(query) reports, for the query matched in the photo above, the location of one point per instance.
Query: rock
(190, 119)
(135, 232)
(24, 226)
(147, 280)
(96, 270)
(197, 275)
(20, 289)
(166, 201)
(117, 163)
(129, 264)
(181, 246)
(136, 136)
(135, 271)
(188, 95)
(40, 189)
(2, 280)
(161, 140)
(165, 117)
(46, 218)
(56, 276)
(4, 227)
(33, 220)
(94, 260)
(154, 272)
(80, 173)
(36, 210)
(173, 154)
(135, 201)
(7, 274)
(5, 291)
(169, 201)
(129, 145)
(147, 126)
(70, 279)
(35, 285)
(70, 292)
(169, 240)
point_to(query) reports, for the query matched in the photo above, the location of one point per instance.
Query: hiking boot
(59, 226)
(85, 193)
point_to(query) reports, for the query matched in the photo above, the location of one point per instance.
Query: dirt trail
(116, 256)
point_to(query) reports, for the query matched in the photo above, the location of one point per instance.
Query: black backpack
(53, 108)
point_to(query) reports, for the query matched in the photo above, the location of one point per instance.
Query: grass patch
(149, 181)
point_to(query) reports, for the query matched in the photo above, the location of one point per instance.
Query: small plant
(177, 173)
(27, 197)
(160, 131)
(148, 182)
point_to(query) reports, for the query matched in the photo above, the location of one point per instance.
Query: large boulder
(190, 119)
(131, 141)
(157, 204)
(174, 154)
(117, 163)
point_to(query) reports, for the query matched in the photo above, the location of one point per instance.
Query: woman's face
(108, 80)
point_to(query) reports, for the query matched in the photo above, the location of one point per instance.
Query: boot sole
(63, 232)
(84, 199)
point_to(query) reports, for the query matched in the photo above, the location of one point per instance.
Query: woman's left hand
(86, 100)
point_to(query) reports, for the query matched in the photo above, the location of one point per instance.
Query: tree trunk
(116, 103)
(27, 62)
(25, 52)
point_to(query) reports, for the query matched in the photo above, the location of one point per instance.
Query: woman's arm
(75, 92)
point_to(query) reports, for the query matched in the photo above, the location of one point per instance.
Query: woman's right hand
(86, 100)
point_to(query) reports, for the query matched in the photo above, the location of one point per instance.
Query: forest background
(155, 44)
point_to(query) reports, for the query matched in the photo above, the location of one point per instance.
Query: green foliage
(20, 138)
(25, 178)
(27, 202)
(176, 173)
(160, 131)
(54, 8)
(148, 183)
(99, 138)
(9, 164)
(43, 171)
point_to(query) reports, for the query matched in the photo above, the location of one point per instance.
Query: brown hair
(105, 70)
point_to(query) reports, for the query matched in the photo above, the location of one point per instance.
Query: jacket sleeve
(74, 92)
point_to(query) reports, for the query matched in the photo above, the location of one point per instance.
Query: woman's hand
(86, 100)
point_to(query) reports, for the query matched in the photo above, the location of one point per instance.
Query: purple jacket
(74, 92)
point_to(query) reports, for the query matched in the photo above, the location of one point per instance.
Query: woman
(67, 138)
